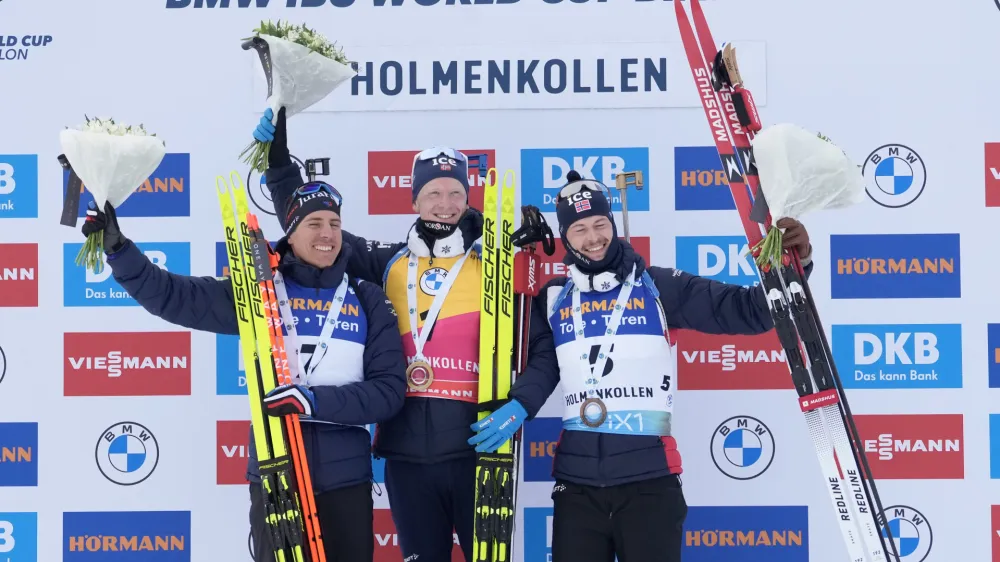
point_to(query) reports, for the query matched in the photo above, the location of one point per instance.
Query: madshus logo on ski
(742, 447)
(127, 453)
(700, 183)
(389, 189)
(746, 533)
(18, 454)
(895, 266)
(165, 193)
(910, 531)
(83, 287)
(895, 175)
(135, 536)
(913, 446)
(898, 355)
(19, 536)
(231, 451)
(543, 172)
(541, 436)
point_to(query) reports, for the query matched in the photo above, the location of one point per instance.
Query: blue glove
(265, 130)
(290, 399)
(497, 429)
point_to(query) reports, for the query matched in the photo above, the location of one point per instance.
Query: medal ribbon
(420, 337)
(592, 379)
(331, 322)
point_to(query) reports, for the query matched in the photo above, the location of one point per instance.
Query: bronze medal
(419, 375)
(588, 414)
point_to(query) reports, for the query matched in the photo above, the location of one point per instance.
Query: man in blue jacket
(618, 489)
(430, 467)
(347, 361)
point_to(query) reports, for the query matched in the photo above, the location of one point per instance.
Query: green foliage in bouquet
(257, 153)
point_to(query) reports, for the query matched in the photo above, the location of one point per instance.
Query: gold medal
(593, 409)
(419, 375)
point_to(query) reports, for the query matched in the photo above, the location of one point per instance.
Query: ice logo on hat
(445, 163)
(581, 201)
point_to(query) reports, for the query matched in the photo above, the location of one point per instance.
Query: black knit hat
(311, 197)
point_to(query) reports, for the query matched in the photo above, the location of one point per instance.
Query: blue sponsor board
(895, 266)
(993, 358)
(543, 172)
(898, 355)
(722, 258)
(83, 287)
(711, 534)
(18, 186)
(165, 193)
(128, 536)
(994, 446)
(18, 537)
(700, 183)
(541, 436)
(18, 454)
(746, 533)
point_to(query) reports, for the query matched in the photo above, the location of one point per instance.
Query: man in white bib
(618, 489)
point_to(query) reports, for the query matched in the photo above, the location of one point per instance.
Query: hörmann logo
(746, 533)
(895, 266)
(165, 193)
(541, 437)
(18, 275)
(127, 535)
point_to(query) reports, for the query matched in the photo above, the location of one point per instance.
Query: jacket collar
(448, 247)
(600, 282)
(305, 275)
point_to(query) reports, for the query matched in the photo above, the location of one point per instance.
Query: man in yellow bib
(433, 281)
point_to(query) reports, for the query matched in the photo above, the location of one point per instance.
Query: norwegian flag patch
(582, 206)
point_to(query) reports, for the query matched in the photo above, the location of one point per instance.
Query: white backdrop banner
(905, 280)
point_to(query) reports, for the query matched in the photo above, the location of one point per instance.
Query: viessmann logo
(723, 362)
(127, 364)
(915, 446)
(389, 188)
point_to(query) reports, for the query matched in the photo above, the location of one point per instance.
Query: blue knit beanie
(441, 166)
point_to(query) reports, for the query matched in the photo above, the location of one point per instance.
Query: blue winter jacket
(338, 456)
(689, 302)
(426, 430)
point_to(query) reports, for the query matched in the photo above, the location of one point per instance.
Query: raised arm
(709, 306)
(198, 303)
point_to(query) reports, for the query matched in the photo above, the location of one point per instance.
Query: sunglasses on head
(583, 185)
(317, 186)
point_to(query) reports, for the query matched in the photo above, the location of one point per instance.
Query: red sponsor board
(389, 189)
(387, 543)
(721, 362)
(553, 266)
(995, 528)
(127, 363)
(912, 446)
(232, 451)
(992, 165)
(18, 275)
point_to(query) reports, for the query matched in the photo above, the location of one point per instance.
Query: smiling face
(441, 200)
(591, 236)
(317, 239)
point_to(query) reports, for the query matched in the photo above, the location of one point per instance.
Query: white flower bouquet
(800, 172)
(301, 67)
(112, 160)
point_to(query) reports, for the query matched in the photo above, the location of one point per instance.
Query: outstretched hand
(795, 236)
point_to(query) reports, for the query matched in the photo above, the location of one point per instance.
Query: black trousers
(345, 519)
(430, 503)
(638, 522)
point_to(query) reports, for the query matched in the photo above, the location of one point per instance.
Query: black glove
(278, 156)
(106, 221)
(471, 225)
